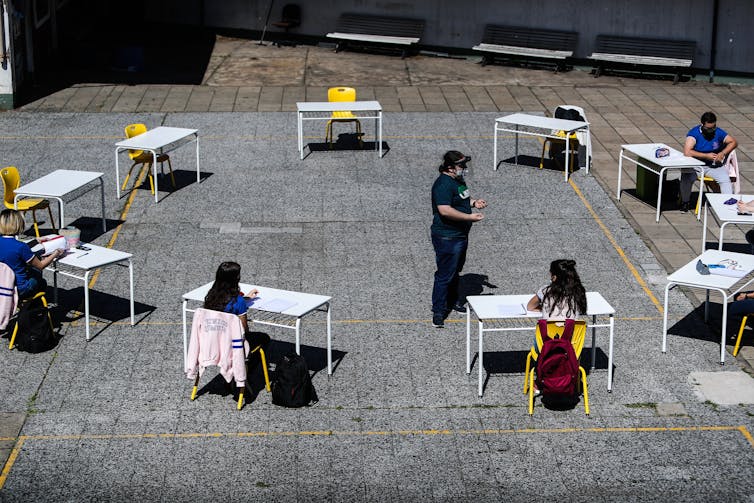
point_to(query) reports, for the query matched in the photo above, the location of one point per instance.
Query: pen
(83, 254)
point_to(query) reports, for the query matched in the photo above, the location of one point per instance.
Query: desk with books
(723, 272)
(273, 307)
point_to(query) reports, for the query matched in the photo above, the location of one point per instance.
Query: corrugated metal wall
(455, 23)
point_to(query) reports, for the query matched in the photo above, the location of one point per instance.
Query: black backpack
(291, 384)
(35, 333)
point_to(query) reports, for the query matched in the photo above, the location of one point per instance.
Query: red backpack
(557, 365)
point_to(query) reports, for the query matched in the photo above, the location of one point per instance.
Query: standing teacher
(451, 223)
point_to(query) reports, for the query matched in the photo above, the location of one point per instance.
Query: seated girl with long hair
(564, 297)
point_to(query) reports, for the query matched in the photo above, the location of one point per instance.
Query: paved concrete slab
(724, 388)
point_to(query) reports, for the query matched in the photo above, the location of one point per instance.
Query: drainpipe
(713, 44)
(3, 41)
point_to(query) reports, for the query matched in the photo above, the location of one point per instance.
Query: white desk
(158, 141)
(487, 308)
(645, 158)
(322, 111)
(57, 185)
(724, 214)
(688, 276)
(88, 261)
(304, 303)
(548, 124)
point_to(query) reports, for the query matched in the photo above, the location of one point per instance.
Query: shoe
(685, 206)
(459, 308)
(438, 321)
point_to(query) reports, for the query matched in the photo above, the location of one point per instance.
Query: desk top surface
(540, 121)
(690, 276)
(157, 138)
(303, 302)
(332, 106)
(94, 257)
(58, 183)
(729, 212)
(488, 307)
(675, 159)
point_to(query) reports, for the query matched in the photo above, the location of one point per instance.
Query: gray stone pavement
(399, 419)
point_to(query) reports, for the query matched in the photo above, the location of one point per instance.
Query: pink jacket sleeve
(8, 295)
(192, 358)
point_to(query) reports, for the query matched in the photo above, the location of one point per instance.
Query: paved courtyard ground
(399, 419)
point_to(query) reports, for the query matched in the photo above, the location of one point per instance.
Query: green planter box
(646, 187)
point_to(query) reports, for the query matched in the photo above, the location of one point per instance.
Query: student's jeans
(741, 307)
(720, 175)
(450, 256)
(35, 283)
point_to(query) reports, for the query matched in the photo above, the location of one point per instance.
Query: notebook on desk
(273, 305)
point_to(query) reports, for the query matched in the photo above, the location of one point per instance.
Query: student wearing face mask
(451, 223)
(710, 144)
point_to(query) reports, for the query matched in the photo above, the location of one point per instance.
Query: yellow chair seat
(11, 181)
(343, 115)
(31, 203)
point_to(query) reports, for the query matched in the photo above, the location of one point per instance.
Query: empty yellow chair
(555, 328)
(342, 94)
(11, 181)
(145, 158)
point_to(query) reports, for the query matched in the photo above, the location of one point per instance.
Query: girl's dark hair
(450, 159)
(566, 290)
(225, 288)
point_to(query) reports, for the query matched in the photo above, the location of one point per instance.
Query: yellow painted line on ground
(617, 247)
(333, 433)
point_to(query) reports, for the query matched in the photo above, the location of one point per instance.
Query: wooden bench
(374, 31)
(633, 53)
(516, 42)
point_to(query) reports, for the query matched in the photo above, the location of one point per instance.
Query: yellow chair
(145, 157)
(335, 94)
(740, 333)
(256, 349)
(577, 340)
(11, 181)
(573, 144)
(38, 295)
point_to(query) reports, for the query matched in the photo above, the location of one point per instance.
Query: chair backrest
(556, 328)
(135, 130)
(574, 112)
(8, 294)
(11, 181)
(341, 94)
(292, 13)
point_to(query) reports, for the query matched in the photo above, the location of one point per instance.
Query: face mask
(708, 133)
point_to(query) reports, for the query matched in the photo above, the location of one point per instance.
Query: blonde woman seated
(18, 256)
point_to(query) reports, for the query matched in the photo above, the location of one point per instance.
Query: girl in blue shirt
(18, 256)
(225, 294)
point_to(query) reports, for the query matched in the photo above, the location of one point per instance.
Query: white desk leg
(610, 357)
(86, 303)
(298, 336)
(620, 172)
(102, 199)
(61, 214)
(661, 176)
(706, 306)
(588, 149)
(131, 283)
(468, 339)
(300, 127)
(379, 138)
(568, 142)
(722, 231)
(494, 153)
(185, 348)
(154, 170)
(594, 340)
(117, 175)
(55, 283)
(481, 357)
(198, 172)
(665, 320)
(516, 144)
(725, 327)
(329, 340)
